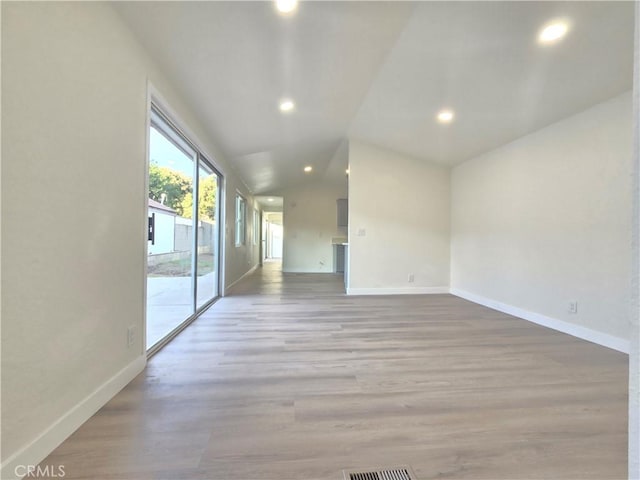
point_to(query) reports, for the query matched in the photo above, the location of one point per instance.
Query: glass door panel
(170, 249)
(207, 265)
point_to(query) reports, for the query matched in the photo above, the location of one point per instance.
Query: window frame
(256, 227)
(161, 118)
(240, 220)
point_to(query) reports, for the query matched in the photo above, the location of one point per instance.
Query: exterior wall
(164, 232)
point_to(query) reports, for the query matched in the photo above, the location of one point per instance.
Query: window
(241, 207)
(256, 227)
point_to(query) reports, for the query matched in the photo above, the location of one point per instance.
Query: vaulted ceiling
(380, 72)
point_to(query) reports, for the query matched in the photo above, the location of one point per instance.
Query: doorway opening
(273, 235)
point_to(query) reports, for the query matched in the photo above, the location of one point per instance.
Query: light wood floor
(290, 379)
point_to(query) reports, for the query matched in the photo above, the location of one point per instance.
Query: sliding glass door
(183, 240)
(207, 270)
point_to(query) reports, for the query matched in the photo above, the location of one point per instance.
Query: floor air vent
(397, 473)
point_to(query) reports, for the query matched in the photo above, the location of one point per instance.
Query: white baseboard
(245, 275)
(397, 291)
(306, 270)
(588, 334)
(61, 429)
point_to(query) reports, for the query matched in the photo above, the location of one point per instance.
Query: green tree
(207, 193)
(179, 192)
(174, 185)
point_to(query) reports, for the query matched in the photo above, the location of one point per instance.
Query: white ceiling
(379, 71)
(269, 203)
(482, 59)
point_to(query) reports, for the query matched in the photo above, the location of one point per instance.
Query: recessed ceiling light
(286, 6)
(553, 31)
(269, 199)
(445, 116)
(286, 105)
(308, 168)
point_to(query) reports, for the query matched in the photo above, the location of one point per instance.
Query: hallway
(288, 378)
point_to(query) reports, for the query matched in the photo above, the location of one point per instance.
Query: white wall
(403, 206)
(634, 353)
(547, 219)
(239, 259)
(74, 88)
(309, 222)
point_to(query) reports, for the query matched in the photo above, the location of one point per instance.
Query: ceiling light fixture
(445, 116)
(308, 168)
(269, 199)
(286, 6)
(553, 31)
(347, 171)
(286, 105)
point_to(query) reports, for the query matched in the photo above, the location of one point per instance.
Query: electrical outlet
(131, 335)
(411, 278)
(573, 306)
(362, 232)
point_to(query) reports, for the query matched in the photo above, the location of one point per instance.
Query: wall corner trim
(398, 291)
(584, 333)
(36, 451)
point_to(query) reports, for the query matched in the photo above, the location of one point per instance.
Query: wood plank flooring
(288, 378)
